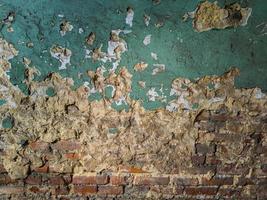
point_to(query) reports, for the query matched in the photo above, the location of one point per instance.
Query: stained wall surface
(139, 112)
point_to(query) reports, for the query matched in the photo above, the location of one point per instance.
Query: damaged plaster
(152, 140)
(209, 16)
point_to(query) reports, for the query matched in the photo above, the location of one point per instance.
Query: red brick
(227, 192)
(200, 191)
(141, 180)
(62, 190)
(58, 180)
(100, 180)
(67, 145)
(33, 180)
(242, 181)
(205, 149)
(232, 169)
(202, 169)
(72, 156)
(85, 189)
(206, 126)
(129, 169)
(110, 190)
(11, 190)
(39, 145)
(178, 190)
(212, 160)
(198, 160)
(118, 180)
(227, 137)
(35, 189)
(185, 181)
(218, 181)
(220, 117)
(5, 179)
(43, 169)
(2, 169)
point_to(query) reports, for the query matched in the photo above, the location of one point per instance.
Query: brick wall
(212, 175)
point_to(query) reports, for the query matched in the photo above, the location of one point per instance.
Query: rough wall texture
(210, 144)
(221, 154)
(208, 177)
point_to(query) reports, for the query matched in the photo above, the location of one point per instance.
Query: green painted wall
(185, 52)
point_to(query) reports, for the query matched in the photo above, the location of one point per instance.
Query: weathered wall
(63, 146)
(208, 176)
(209, 143)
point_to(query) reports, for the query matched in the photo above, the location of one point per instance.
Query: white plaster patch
(152, 94)
(81, 30)
(120, 101)
(147, 40)
(154, 56)
(159, 68)
(61, 54)
(259, 94)
(129, 17)
(146, 19)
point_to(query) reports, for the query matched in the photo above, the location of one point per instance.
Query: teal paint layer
(185, 52)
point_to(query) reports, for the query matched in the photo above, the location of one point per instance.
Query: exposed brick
(227, 137)
(228, 192)
(85, 189)
(5, 179)
(67, 145)
(205, 149)
(242, 181)
(141, 180)
(33, 180)
(129, 169)
(100, 180)
(110, 190)
(35, 189)
(43, 169)
(220, 117)
(212, 160)
(11, 190)
(218, 181)
(185, 181)
(232, 169)
(207, 126)
(72, 156)
(39, 145)
(178, 190)
(62, 190)
(118, 180)
(200, 191)
(57, 180)
(202, 169)
(198, 160)
(2, 169)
